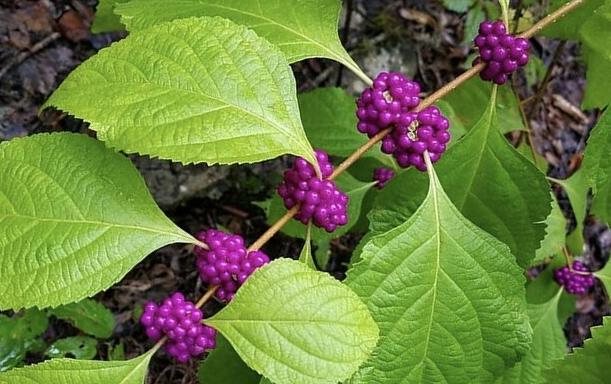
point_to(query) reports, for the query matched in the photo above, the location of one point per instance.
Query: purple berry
(180, 321)
(502, 53)
(225, 262)
(382, 176)
(578, 281)
(381, 105)
(320, 201)
(419, 132)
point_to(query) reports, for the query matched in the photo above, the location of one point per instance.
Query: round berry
(576, 281)
(502, 53)
(381, 105)
(320, 201)
(179, 320)
(382, 176)
(226, 262)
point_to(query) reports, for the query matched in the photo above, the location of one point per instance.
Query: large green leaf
(448, 297)
(193, 90)
(224, 366)
(471, 98)
(19, 334)
(492, 185)
(301, 29)
(75, 217)
(356, 192)
(296, 325)
(548, 343)
(597, 166)
(70, 371)
(576, 188)
(604, 275)
(589, 364)
(589, 24)
(89, 316)
(105, 18)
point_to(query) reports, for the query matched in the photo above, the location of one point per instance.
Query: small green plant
(435, 291)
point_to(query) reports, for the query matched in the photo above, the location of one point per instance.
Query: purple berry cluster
(418, 132)
(575, 283)
(179, 320)
(382, 176)
(383, 104)
(320, 201)
(226, 263)
(502, 52)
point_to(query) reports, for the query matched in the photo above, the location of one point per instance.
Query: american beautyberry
(180, 321)
(382, 176)
(381, 105)
(226, 263)
(574, 282)
(320, 201)
(501, 52)
(426, 130)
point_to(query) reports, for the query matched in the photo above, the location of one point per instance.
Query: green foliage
(589, 364)
(471, 99)
(447, 296)
(356, 192)
(105, 18)
(20, 334)
(548, 342)
(589, 24)
(193, 90)
(224, 366)
(70, 371)
(459, 6)
(307, 29)
(75, 218)
(492, 185)
(295, 325)
(576, 188)
(87, 315)
(555, 233)
(604, 275)
(597, 166)
(306, 252)
(77, 347)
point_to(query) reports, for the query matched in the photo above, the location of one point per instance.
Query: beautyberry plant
(450, 227)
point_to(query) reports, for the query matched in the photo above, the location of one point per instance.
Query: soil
(42, 41)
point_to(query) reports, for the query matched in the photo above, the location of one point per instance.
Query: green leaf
(356, 192)
(448, 297)
(597, 166)
(295, 325)
(329, 120)
(193, 90)
(555, 234)
(539, 161)
(457, 129)
(265, 381)
(306, 252)
(576, 188)
(471, 99)
(474, 17)
(224, 366)
(589, 364)
(459, 6)
(75, 217)
(604, 275)
(305, 29)
(105, 18)
(491, 184)
(548, 343)
(77, 347)
(70, 371)
(589, 24)
(18, 335)
(89, 316)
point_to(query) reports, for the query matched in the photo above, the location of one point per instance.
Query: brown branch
(551, 18)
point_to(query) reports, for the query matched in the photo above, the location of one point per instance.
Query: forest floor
(42, 41)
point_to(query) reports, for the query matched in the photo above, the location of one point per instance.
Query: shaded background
(42, 41)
